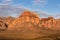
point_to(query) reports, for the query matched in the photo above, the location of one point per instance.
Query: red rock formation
(2, 24)
(57, 27)
(9, 20)
(44, 20)
(30, 21)
(49, 23)
(27, 21)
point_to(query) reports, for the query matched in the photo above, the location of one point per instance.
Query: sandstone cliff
(27, 21)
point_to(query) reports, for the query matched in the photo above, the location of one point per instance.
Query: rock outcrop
(27, 21)
(9, 20)
(5, 22)
(2, 24)
(31, 21)
(49, 23)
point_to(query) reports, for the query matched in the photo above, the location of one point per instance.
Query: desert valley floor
(42, 35)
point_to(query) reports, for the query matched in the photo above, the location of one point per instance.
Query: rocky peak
(28, 13)
(27, 20)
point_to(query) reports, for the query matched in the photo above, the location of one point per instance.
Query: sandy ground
(43, 35)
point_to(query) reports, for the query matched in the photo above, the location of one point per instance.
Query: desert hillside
(29, 26)
(28, 19)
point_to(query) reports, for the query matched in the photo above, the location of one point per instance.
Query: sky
(44, 8)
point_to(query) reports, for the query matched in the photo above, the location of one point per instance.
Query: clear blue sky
(49, 7)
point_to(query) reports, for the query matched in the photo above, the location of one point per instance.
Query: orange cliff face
(9, 20)
(49, 23)
(30, 21)
(3, 25)
(27, 21)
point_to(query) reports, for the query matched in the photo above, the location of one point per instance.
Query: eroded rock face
(57, 24)
(49, 23)
(30, 21)
(5, 22)
(2, 24)
(27, 21)
(9, 20)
